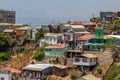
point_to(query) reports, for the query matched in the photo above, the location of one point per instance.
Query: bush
(39, 54)
(4, 56)
(112, 72)
(74, 74)
(26, 50)
(99, 70)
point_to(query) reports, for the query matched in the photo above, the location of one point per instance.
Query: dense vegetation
(114, 71)
(39, 35)
(39, 54)
(6, 43)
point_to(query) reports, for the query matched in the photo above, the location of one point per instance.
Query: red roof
(86, 37)
(13, 70)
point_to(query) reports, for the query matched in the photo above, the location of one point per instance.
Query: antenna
(93, 15)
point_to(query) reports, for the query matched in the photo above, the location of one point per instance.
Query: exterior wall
(20, 34)
(79, 44)
(5, 76)
(87, 63)
(108, 16)
(51, 40)
(67, 36)
(7, 16)
(31, 74)
(54, 52)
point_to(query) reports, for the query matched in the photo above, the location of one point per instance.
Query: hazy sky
(53, 11)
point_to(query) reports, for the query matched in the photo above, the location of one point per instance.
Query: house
(85, 60)
(42, 43)
(55, 50)
(5, 74)
(88, 77)
(84, 40)
(60, 70)
(21, 33)
(74, 28)
(36, 71)
(53, 38)
(9, 73)
(10, 32)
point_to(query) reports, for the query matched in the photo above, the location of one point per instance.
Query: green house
(55, 50)
(99, 35)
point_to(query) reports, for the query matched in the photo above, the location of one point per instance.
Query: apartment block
(7, 16)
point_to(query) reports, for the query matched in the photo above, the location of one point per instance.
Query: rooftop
(73, 51)
(88, 55)
(86, 37)
(77, 26)
(37, 67)
(90, 77)
(56, 46)
(8, 30)
(23, 28)
(53, 34)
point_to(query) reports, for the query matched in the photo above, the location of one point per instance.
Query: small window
(84, 60)
(2, 78)
(77, 60)
(90, 60)
(49, 49)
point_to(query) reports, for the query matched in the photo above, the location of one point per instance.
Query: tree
(5, 42)
(117, 77)
(95, 19)
(39, 34)
(39, 54)
(4, 56)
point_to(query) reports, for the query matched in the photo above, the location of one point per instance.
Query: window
(49, 49)
(90, 60)
(2, 78)
(84, 60)
(46, 49)
(23, 32)
(77, 60)
(94, 59)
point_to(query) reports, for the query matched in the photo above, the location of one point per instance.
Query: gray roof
(37, 67)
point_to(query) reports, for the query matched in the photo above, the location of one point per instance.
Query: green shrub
(74, 74)
(99, 70)
(39, 54)
(112, 72)
(4, 56)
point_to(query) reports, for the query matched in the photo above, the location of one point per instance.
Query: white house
(52, 38)
(5, 74)
(85, 60)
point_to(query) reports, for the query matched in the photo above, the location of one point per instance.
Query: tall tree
(39, 34)
(5, 42)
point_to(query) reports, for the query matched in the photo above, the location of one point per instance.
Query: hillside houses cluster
(71, 42)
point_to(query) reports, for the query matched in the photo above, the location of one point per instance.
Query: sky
(57, 11)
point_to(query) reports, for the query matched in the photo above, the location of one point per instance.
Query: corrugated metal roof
(53, 34)
(90, 77)
(37, 67)
(56, 46)
(8, 30)
(88, 55)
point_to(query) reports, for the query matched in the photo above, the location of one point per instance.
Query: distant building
(7, 16)
(109, 16)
